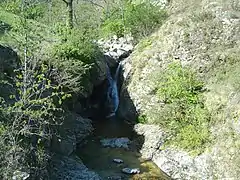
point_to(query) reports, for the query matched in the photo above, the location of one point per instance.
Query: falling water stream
(100, 159)
(112, 94)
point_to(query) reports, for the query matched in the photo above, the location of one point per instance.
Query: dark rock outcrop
(9, 60)
(73, 131)
(71, 168)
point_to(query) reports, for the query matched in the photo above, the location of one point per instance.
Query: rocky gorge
(114, 131)
(116, 137)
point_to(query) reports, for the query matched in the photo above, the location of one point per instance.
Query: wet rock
(127, 107)
(112, 54)
(116, 177)
(154, 137)
(110, 61)
(64, 146)
(116, 142)
(175, 163)
(131, 171)
(101, 70)
(71, 168)
(118, 161)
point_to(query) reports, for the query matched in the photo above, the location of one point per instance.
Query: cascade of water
(117, 72)
(112, 94)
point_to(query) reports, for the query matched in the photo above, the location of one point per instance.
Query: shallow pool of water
(100, 159)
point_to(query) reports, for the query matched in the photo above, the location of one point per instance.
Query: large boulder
(127, 107)
(101, 71)
(71, 168)
(73, 131)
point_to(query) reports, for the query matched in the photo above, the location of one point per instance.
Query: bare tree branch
(65, 1)
(93, 3)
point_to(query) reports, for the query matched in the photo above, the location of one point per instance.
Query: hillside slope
(203, 35)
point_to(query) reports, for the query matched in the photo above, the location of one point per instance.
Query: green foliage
(35, 108)
(143, 19)
(13, 6)
(115, 27)
(34, 10)
(138, 19)
(75, 58)
(179, 84)
(192, 137)
(2, 129)
(142, 119)
(76, 43)
(184, 113)
(144, 43)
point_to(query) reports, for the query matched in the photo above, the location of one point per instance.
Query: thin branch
(93, 3)
(65, 1)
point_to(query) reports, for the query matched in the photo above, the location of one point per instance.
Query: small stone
(116, 46)
(122, 52)
(131, 171)
(112, 54)
(20, 175)
(129, 38)
(115, 142)
(118, 161)
(128, 47)
(115, 37)
(116, 177)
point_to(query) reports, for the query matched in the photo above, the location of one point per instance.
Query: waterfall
(112, 94)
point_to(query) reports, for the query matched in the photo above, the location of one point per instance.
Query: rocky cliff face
(204, 35)
(199, 34)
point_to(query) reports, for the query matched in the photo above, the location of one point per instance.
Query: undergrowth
(183, 113)
(140, 20)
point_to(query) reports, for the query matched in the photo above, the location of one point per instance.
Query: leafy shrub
(179, 84)
(184, 113)
(142, 119)
(34, 10)
(142, 19)
(31, 112)
(28, 121)
(75, 57)
(138, 19)
(115, 27)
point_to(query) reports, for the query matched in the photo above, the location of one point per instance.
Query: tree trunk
(69, 4)
(70, 14)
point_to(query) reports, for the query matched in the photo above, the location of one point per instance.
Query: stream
(100, 159)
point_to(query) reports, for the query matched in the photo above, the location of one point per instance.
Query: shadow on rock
(4, 27)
